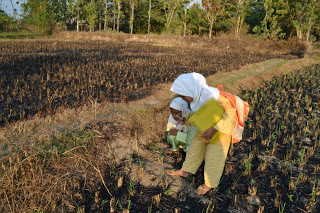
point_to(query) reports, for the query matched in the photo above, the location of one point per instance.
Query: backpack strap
(241, 106)
(232, 99)
(220, 87)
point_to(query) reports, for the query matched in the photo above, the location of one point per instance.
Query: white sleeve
(171, 123)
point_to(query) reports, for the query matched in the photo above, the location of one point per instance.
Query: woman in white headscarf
(177, 131)
(192, 88)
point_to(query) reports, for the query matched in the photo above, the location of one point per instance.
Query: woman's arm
(209, 133)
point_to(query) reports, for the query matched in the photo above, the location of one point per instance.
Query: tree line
(273, 19)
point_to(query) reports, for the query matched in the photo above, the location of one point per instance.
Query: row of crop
(55, 74)
(280, 160)
(276, 168)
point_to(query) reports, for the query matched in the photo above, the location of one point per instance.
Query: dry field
(91, 154)
(37, 77)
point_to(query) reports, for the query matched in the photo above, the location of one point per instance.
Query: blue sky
(7, 7)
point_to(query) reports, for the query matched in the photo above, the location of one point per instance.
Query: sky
(6, 6)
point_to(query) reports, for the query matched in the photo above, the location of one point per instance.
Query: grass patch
(251, 76)
(231, 79)
(19, 35)
(50, 168)
(63, 144)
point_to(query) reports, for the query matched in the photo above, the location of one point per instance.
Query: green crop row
(281, 144)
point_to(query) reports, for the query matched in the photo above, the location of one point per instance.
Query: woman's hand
(182, 122)
(173, 131)
(209, 133)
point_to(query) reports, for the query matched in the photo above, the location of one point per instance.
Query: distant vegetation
(272, 19)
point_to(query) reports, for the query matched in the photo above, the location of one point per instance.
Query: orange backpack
(242, 109)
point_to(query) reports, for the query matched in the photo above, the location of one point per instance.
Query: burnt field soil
(114, 161)
(276, 168)
(37, 77)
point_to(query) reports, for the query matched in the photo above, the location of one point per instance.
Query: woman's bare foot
(203, 189)
(177, 173)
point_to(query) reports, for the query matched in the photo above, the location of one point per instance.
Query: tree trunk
(185, 22)
(238, 19)
(114, 21)
(170, 13)
(78, 19)
(309, 29)
(310, 23)
(14, 10)
(149, 19)
(99, 15)
(132, 16)
(211, 17)
(106, 15)
(170, 17)
(299, 32)
(238, 26)
(118, 18)
(210, 29)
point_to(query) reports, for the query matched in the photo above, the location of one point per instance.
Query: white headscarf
(194, 85)
(179, 104)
